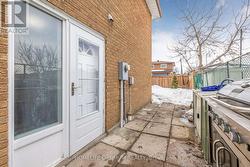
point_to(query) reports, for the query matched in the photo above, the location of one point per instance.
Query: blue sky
(169, 27)
(171, 11)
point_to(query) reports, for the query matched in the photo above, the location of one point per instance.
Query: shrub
(174, 82)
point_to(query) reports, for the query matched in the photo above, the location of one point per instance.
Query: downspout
(124, 102)
(123, 77)
(121, 104)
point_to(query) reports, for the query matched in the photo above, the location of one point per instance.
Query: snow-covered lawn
(175, 96)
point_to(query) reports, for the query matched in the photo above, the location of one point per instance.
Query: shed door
(87, 81)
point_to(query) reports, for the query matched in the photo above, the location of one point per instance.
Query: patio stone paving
(152, 146)
(156, 138)
(136, 160)
(146, 112)
(163, 111)
(98, 156)
(167, 106)
(145, 115)
(170, 165)
(157, 129)
(181, 153)
(121, 137)
(182, 122)
(151, 106)
(180, 132)
(179, 113)
(161, 118)
(136, 124)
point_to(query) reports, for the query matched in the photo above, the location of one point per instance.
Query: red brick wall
(127, 39)
(3, 98)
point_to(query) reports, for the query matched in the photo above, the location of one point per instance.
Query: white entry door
(87, 88)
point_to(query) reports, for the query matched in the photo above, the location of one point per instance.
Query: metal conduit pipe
(121, 105)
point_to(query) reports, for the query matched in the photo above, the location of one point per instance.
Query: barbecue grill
(229, 125)
(236, 96)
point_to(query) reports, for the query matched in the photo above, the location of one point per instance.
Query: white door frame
(77, 30)
(66, 19)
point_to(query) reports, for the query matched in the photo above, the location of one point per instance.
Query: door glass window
(38, 74)
(88, 77)
(88, 48)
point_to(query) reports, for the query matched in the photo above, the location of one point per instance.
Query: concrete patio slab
(179, 113)
(157, 129)
(144, 117)
(170, 165)
(152, 146)
(121, 137)
(180, 132)
(181, 153)
(98, 156)
(165, 112)
(136, 124)
(181, 107)
(144, 142)
(135, 160)
(162, 118)
(146, 112)
(167, 106)
(151, 106)
(182, 122)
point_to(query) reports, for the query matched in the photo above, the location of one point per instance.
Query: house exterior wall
(128, 39)
(3, 98)
(157, 66)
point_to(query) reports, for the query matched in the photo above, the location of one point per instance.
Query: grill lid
(238, 90)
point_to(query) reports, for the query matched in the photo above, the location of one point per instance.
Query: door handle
(73, 88)
(217, 156)
(214, 151)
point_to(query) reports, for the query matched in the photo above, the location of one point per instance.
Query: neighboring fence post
(241, 67)
(206, 80)
(228, 75)
(24, 70)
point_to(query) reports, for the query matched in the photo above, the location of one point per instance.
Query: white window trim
(66, 19)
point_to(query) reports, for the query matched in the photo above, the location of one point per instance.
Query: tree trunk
(200, 57)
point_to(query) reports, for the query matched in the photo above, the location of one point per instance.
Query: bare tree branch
(209, 40)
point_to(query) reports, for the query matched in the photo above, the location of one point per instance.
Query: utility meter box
(131, 80)
(123, 71)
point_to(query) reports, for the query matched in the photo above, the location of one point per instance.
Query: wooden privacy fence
(184, 81)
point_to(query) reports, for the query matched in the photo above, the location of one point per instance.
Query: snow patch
(176, 96)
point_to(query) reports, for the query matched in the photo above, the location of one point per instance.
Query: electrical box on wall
(123, 71)
(131, 80)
